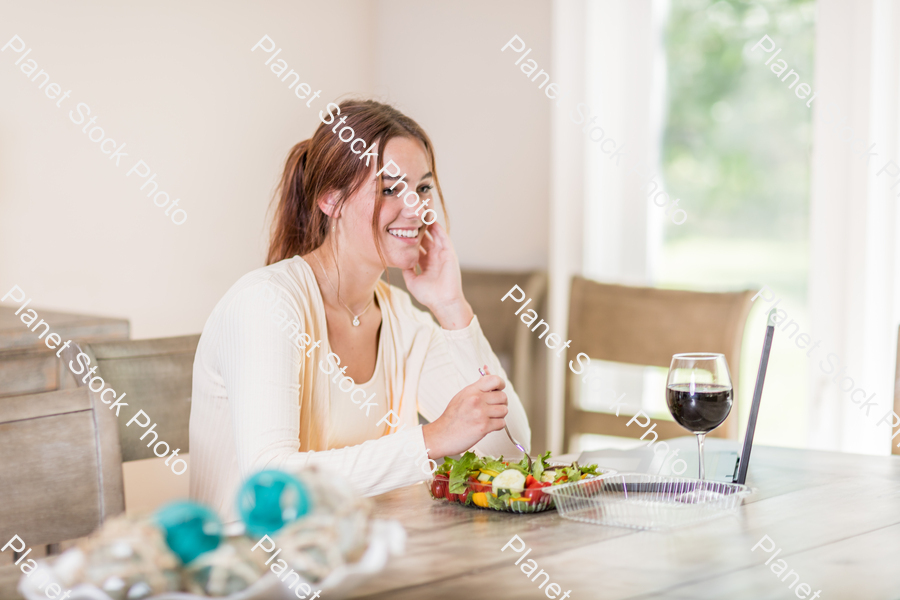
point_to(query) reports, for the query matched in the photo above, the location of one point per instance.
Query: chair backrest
(156, 374)
(61, 472)
(29, 366)
(646, 326)
(507, 335)
(483, 290)
(501, 327)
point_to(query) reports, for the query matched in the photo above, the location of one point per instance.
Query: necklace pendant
(356, 321)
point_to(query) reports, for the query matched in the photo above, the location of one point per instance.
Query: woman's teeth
(404, 233)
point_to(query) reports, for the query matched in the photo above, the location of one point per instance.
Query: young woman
(314, 360)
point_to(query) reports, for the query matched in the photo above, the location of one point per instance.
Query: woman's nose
(413, 205)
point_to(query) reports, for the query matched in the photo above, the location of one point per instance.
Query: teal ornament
(269, 500)
(190, 529)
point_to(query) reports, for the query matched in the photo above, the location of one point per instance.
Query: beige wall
(489, 124)
(178, 84)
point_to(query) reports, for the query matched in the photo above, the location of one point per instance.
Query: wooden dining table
(835, 518)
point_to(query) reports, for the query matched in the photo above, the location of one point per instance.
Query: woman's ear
(328, 205)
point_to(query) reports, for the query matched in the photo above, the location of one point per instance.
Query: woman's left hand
(439, 285)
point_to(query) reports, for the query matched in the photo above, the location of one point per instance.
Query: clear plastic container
(641, 501)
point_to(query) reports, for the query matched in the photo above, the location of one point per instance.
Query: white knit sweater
(259, 402)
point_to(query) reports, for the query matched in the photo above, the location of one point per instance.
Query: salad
(503, 485)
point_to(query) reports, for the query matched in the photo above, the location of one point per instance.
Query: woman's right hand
(474, 412)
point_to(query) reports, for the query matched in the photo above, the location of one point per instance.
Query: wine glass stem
(700, 437)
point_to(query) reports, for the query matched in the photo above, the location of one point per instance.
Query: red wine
(700, 411)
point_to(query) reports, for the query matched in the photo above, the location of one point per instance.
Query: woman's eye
(388, 192)
(425, 189)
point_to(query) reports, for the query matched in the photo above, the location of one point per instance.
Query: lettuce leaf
(521, 466)
(575, 471)
(497, 503)
(445, 468)
(589, 470)
(459, 473)
(495, 465)
(537, 469)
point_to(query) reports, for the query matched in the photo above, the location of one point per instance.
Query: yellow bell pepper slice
(480, 499)
(490, 472)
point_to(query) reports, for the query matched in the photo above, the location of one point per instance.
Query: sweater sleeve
(452, 363)
(261, 364)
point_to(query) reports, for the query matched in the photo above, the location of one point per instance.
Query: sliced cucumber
(484, 477)
(510, 479)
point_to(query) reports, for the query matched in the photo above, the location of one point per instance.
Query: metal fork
(505, 428)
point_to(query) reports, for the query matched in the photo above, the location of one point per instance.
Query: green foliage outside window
(737, 139)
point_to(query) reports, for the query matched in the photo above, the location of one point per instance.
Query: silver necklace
(328, 279)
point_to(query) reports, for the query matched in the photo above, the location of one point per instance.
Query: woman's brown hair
(324, 164)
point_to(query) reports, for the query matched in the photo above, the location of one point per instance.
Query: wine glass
(699, 394)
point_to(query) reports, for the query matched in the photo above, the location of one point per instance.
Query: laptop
(724, 460)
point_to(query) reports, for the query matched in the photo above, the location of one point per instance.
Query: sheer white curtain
(853, 282)
(609, 61)
(625, 68)
(566, 195)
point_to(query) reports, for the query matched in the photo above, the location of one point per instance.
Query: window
(681, 84)
(736, 151)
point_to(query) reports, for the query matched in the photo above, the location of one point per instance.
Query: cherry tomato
(439, 487)
(534, 493)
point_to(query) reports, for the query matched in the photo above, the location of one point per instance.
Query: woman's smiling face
(400, 229)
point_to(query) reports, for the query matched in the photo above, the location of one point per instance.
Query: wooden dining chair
(511, 342)
(157, 375)
(60, 475)
(646, 326)
(29, 366)
(483, 290)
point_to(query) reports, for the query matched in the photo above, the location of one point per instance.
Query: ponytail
(293, 226)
